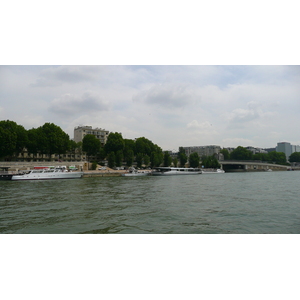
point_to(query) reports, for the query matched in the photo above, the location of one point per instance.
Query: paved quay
(105, 173)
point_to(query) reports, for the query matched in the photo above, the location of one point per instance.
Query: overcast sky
(171, 105)
(179, 75)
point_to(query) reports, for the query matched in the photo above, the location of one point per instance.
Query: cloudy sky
(180, 75)
(173, 105)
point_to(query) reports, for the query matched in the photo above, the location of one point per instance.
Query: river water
(231, 203)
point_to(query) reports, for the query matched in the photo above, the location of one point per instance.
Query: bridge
(250, 166)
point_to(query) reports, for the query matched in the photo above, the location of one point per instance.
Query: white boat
(46, 174)
(164, 171)
(212, 171)
(133, 172)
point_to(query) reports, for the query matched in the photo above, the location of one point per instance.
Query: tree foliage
(114, 143)
(182, 157)
(119, 158)
(294, 157)
(13, 138)
(277, 157)
(91, 145)
(139, 160)
(156, 158)
(194, 160)
(210, 162)
(111, 159)
(167, 159)
(241, 153)
(146, 160)
(129, 155)
(225, 153)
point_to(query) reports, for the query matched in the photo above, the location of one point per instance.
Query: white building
(202, 150)
(256, 150)
(99, 133)
(287, 149)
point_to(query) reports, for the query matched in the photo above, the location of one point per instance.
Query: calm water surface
(266, 202)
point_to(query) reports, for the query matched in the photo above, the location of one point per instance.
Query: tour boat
(5, 175)
(163, 171)
(212, 171)
(133, 172)
(46, 174)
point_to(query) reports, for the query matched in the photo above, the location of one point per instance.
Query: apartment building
(202, 150)
(256, 150)
(287, 149)
(99, 133)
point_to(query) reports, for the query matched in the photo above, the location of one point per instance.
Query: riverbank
(105, 173)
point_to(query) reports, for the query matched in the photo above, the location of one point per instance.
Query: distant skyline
(171, 105)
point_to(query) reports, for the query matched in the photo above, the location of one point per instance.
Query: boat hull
(6, 176)
(42, 176)
(165, 171)
(218, 171)
(135, 174)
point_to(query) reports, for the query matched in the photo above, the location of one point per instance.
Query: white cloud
(199, 126)
(235, 142)
(171, 105)
(70, 105)
(169, 95)
(55, 76)
(253, 112)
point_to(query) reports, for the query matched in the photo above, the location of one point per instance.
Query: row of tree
(117, 150)
(241, 153)
(51, 139)
(47, 139)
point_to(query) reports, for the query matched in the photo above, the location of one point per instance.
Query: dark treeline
(51, 139)
(47, 139)
(241, 153)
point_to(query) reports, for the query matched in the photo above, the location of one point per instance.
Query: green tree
(119, 158)
(225, 153)
(241, 153)
(277, 157)
(91, 145)
(156, 159)
(111, 160)
(261, 156)
(50, 139)
(114, 143)
(294, 157)
(167, 159)
(194, 160)
(33, 141)
(146, 160)
(210, 162)
(13, 138)
(129, 156)
(144, 146)
(182, 157)
(175, 161)
(139, 160)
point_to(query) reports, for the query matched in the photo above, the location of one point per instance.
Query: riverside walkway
(250, 166)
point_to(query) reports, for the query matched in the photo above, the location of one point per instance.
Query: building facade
(256, 150)
(81, 131)
(202, 150)
(287, 149)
